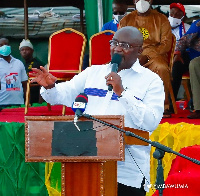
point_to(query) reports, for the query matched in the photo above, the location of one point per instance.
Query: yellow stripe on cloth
(53, 179)
(175, 136)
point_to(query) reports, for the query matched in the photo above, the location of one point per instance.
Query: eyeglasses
(123, 45)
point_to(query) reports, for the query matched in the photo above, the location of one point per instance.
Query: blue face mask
(5, 50)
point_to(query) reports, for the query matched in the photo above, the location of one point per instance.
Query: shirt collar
(115, 21)
(12, 59)
(136, 66)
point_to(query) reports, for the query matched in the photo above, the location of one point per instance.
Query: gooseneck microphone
(116, 60)
(79, 106)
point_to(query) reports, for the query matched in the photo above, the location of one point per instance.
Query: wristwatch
(122, 93)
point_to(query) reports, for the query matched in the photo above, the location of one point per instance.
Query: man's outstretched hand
(43, 78)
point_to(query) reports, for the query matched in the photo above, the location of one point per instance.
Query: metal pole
(25, 19)
(82, 19)
(100, 14)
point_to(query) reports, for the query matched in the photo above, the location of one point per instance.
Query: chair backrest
(66, 51)
(171, 52)
(99, 47)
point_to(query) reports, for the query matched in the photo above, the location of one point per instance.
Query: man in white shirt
(13, 77)
(138, 94)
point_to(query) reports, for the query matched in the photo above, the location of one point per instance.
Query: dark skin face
(128, 56)
(148, 11)
(119, 9)
(4, 41)
(176, 13)
(26, 53)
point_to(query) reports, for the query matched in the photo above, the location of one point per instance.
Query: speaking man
(137, 93)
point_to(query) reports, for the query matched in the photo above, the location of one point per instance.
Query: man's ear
(140, 51)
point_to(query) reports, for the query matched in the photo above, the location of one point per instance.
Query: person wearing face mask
(119, 8)
(187, 48)
(157, 36)
(176, 16)
(13, 77)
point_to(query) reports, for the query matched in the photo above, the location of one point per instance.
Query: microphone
(116, 60)
(79, 106)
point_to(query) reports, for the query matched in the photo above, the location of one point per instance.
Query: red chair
(99, 48)
(186, 84)
(66, 52)
(65, 56)
(184, 176)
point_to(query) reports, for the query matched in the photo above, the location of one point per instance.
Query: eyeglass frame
(119, 44)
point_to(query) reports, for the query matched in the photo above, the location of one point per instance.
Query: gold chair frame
(90, 43)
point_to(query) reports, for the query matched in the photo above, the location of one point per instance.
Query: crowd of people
(140, 92)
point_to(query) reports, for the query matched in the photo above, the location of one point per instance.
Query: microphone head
(116, 58)
(82, 97)
(80, 103)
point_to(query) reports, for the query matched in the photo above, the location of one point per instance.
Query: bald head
(132, 39)
(132, 35)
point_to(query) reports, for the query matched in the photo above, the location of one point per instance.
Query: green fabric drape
(91, 15)
(107, 10)
(18, 178)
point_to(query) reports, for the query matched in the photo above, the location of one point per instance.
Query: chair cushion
(100, 49)
(65, 51)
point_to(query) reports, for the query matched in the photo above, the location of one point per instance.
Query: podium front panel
(38, 139)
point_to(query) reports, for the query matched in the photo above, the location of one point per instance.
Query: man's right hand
(43, 78)
(177, 57)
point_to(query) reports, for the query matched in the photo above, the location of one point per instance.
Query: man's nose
(118, 48)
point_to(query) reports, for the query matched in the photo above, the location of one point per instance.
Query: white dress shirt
(12, 75)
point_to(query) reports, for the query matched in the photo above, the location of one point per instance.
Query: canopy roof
(42, 3)
(79, 3)
(95, 15)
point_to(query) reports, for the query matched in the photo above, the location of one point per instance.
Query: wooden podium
(81, 175)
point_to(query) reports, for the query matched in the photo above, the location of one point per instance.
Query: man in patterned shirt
(157, 36)
(187, 48)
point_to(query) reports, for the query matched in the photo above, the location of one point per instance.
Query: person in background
(142, 105)
(194, 69)
(157, 36)
(187, 48)
(119, 8)
(26, 51)
(13, 77)
(176, 16)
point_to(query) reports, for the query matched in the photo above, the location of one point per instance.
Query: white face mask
(142, 6)
(174, 22)
(118, 17)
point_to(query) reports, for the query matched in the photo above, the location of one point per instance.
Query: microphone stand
(158, 154)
